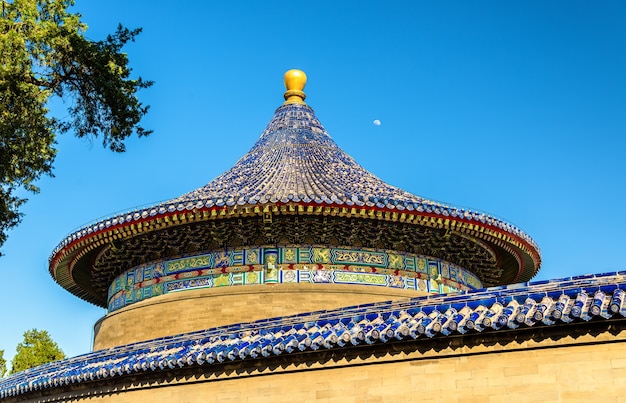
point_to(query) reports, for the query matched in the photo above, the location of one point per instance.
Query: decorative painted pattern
(289, 264)
(507, 308)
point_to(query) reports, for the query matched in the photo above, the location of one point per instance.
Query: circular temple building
(295, 225)
(297, 275)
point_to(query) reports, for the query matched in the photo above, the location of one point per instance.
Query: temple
(299, 275)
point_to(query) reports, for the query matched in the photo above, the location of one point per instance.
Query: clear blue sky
(513, 108)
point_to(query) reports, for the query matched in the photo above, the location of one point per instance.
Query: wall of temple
(526, 366)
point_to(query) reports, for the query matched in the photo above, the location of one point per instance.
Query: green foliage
(45, 54)
(36, 349)
(3, 364)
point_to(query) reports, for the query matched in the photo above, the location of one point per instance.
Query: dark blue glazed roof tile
(295, 159)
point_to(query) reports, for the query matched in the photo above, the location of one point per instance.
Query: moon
(376, 122)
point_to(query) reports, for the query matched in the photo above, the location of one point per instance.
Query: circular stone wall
(199, 309)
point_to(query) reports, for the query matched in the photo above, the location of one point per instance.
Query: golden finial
(295, 80)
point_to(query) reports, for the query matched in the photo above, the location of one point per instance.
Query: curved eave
(84, 244)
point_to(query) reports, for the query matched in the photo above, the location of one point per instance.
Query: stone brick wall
(535, 367)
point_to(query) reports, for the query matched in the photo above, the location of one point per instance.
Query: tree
(3, 364)
(37, 348)
(45, 55)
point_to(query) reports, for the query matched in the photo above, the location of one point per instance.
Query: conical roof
(294, 169)
(296, 160)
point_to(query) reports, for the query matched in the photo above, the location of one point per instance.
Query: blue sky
(517, 109)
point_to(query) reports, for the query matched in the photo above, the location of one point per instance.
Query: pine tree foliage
(45, 54)
(3, 364)
(36, 349)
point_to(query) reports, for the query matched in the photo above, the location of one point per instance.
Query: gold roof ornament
(295, 80)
